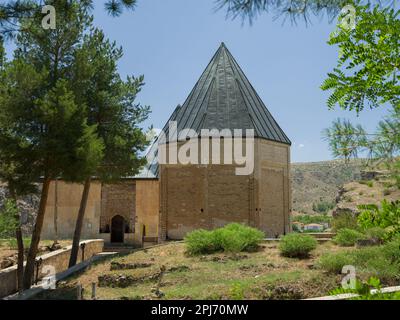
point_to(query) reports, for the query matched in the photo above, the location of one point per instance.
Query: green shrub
(236, 237)
(334, 262)
(387, 217)
(8, 220)
(323, 206)
(344, 220)
(201, 242)
(231, 238)
(297, 245)
(376, 233)
(347, 237)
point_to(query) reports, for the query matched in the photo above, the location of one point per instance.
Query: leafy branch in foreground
(366, 74)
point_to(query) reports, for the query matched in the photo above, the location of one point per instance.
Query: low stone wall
(56, 261)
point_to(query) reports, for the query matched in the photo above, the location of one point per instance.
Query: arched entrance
(117, 229)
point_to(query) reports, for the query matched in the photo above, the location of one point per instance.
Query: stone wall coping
(51, 254)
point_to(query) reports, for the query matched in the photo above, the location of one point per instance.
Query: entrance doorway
(117, 229)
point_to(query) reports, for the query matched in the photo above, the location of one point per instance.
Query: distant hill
(317, 183)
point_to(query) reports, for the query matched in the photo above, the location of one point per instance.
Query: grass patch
(368, 183)
(12, 243)
(382, 261)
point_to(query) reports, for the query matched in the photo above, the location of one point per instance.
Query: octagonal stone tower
(208, 196)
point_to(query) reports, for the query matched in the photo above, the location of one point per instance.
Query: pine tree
(12, 11)
(295, 10)
(42, 111)
(112, 109)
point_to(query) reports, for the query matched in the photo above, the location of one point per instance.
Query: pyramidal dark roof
(223, 98)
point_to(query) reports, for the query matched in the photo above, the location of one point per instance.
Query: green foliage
(236, 237)
(111, 106)
(344, 220)
(366, 74)
(379, 261)
(345, 139)
(8, 220)
(37, 90)
(347, 237)
(232, 238)
(307, 218)
(202, 242)
(376, 233)
(386, 217)
(368, 183)
(334, 262)
(323, 207)
(293, 9)
(236, 291)
(11, 12)
(12, 243)
(297, 245)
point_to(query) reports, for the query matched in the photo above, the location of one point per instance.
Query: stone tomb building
(167, 200)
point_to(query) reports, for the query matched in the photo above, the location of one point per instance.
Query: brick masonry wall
(205, 197)
(210, 196)
(118, 199)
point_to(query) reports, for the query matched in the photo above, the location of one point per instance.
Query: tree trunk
(56, 211)
(79, 222)
(20, 246)
(30, 262)
(20, 263)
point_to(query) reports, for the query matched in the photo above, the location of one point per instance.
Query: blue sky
(170, 42)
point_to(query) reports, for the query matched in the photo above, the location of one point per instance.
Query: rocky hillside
(316, 184)
(372, 189)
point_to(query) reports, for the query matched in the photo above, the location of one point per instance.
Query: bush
(297, 245)
(236, 237)
(334, 262)
(8, 220)
(323, 206)
(231, 238)
(344, 220)
(376, 233)
(347, 237)
(201, 242)
(387, 217)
